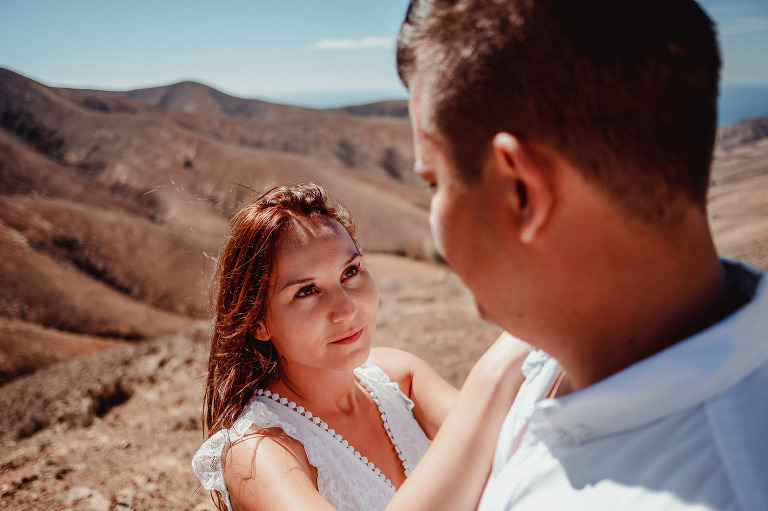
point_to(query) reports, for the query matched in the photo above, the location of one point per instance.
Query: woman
(302, 413)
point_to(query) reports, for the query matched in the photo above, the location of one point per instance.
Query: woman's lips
(349, 339)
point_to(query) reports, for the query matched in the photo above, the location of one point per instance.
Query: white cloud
(354, 44)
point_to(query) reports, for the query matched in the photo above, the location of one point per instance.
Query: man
(569, 145)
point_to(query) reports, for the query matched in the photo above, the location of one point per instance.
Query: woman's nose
(343, 306)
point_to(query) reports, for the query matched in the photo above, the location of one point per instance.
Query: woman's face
(322, 302)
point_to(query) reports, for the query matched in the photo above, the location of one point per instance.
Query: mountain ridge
(194, 97)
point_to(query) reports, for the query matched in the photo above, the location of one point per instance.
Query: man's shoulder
(739, 420)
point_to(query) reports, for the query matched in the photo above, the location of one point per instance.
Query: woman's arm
(453, 472)
(269, 470)
(432, 395)
(449, 477)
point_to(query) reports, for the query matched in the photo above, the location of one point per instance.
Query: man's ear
(527, 183)
(260, 332)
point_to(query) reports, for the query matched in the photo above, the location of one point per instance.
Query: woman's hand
(497, 374)
(453, 472)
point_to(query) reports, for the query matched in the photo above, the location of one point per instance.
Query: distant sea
(737, 101)
(742, 101)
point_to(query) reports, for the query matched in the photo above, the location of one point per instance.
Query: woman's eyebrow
(355, 255)
(307, 280)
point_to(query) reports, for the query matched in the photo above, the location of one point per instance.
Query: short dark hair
(626, 90)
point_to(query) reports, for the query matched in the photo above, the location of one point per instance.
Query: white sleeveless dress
(344, 478)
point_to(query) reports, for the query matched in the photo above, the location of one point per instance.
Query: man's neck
(641, 296)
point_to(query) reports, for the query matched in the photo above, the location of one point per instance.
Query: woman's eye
(305, 291)
(351, 271)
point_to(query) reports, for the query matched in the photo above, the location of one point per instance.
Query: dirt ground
(117, 430)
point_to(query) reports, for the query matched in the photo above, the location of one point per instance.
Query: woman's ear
(260, 332)
(528, 184)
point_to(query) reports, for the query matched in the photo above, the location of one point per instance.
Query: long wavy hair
(238, 362)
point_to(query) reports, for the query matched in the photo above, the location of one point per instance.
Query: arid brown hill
(378, 144)
(394, 108)
(738, 196)
(113, 206)
(198, 99)
(743, 133)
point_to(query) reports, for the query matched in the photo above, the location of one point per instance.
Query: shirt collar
(686, 374)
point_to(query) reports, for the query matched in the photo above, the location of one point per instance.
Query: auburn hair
(239, 363)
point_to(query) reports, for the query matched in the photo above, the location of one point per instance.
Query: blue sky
(319, 53)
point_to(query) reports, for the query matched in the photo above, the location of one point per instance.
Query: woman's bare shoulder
(262, 446)
(398, 364)
(264, 466)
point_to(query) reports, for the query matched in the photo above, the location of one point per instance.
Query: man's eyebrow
(307, 280)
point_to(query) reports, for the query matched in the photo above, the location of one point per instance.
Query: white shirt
(684, 429)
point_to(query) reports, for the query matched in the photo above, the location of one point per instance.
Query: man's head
(569, 143)
(625, 90)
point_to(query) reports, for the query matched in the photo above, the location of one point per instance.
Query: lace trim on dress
(385, 421)
(375, 380)
(404, 432)
(317, 421)
(207, 461)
